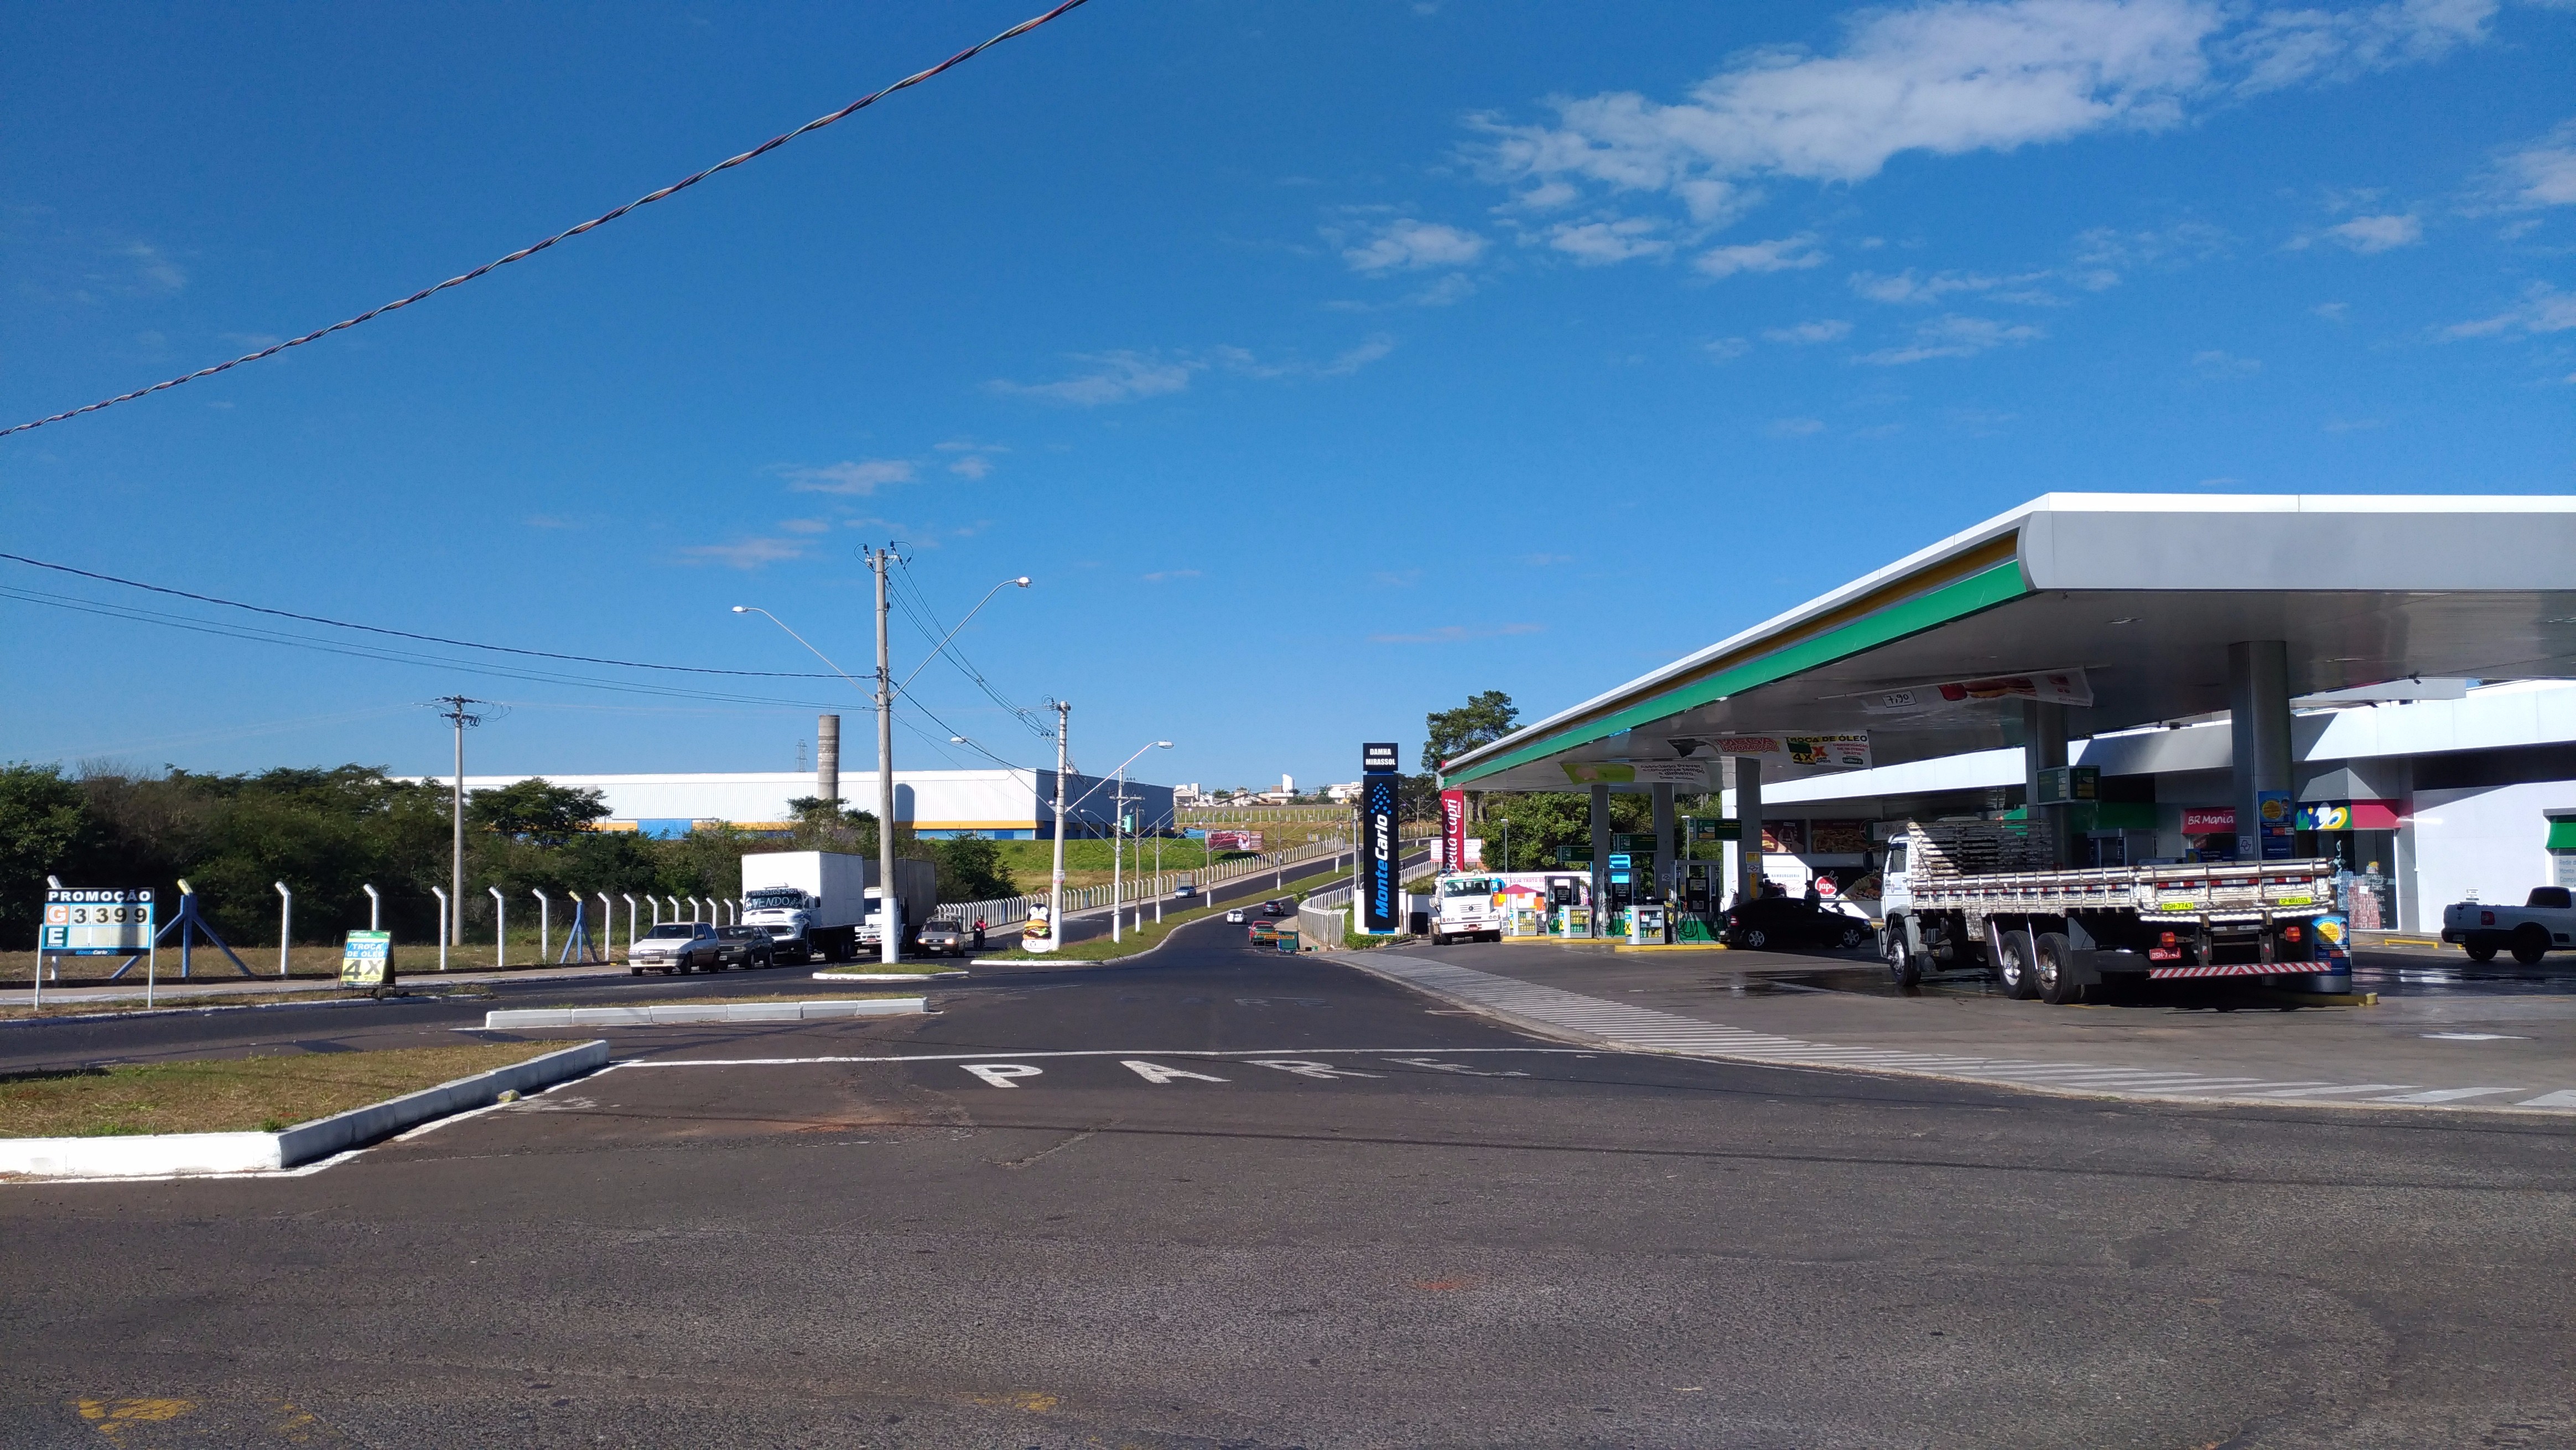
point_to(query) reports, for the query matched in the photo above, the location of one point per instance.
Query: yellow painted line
(114, 1417)
(1677, 946)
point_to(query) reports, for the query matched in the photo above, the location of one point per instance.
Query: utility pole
(890, 936)
(456, 712)
(1055, 883)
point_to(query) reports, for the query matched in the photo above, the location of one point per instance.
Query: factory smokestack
(827, 757)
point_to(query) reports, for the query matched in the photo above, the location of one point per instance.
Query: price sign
(97, 921)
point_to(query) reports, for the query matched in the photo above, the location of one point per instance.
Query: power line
(358, 651)
(772, 144)
(942, 641)
(404, 633)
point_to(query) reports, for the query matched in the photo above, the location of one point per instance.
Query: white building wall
(2489, 840)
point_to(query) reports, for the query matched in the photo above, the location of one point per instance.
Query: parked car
(1774, 922)
(746, 947)
(675, 947)
(2545, 923)
(1234, 917)
(941, 937)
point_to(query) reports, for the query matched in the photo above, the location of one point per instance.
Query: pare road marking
(1159, 1075)
(1302, 1068)
(1451, 1067)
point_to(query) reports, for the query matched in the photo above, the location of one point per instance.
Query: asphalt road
(1234, 1199)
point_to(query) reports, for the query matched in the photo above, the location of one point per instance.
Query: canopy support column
(1748, 829)
(1600, 854)
(1666, 873)
(2043, 745)
(2258, 726)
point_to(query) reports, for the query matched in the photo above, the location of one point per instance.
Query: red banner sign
(1453, 830)
(2208, 820)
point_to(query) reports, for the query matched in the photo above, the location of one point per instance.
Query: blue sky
(1323, 363)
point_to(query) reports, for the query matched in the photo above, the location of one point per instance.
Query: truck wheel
(2479, 951)
(1904, 967)
(2530, 944)
(2012, 969)
(2056, 979)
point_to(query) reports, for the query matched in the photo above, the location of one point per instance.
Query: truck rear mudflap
(2240, 969)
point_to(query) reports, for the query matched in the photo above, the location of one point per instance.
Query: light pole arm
(1022, 581)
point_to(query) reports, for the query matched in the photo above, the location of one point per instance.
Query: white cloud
(2283, 48)
(2542, 173)
(1160, 576)
(1781, 254)
(2332, 311)
(1826, 330)
(2543, 309)
(863, 478)
(1408, 245)
(2368, 234)
(972, 466)
(1112, 377)
(806, 526)
(153, 271)
(2216, 364)
(746, 553)
(1796, 427)
(1947, 79)
(1594, 243)
(1954, 336)
(1721, 349)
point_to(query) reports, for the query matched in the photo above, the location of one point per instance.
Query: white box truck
(823, 904)
(1976, 894)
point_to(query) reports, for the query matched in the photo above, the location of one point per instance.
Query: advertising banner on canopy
(1831, 752)
(2049, 687)
(1690, 773)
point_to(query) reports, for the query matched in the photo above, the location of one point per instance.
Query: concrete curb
(941, 976)
(711, 1012)
(163, 1154)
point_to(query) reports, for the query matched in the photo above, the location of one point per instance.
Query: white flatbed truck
(1962, 895)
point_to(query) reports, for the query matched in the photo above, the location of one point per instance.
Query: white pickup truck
(2545, 923)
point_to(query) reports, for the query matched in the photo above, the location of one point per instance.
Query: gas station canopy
(2127, 601)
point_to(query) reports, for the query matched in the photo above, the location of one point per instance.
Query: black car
(1775, 922)
(745, 946)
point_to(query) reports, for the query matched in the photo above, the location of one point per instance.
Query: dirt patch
(236, 1095)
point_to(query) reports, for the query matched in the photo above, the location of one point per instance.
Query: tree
(42, 819)
(971, 869)
(537, 809)
(1484, 719)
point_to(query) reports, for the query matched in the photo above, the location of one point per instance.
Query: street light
(890, 933)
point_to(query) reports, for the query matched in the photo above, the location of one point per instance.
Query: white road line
(2321, 1090)
(2448, 1095)
(2551, 1100)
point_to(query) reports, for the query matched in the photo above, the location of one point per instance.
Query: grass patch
(74, 1005)
(236, 1095)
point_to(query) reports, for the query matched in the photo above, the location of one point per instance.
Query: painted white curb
(180, 1153)
(710, 1012)
(890, 976)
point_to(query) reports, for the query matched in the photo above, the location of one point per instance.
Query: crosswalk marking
(1646, 1029)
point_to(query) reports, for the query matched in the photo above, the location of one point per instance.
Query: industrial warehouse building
(1000, 805)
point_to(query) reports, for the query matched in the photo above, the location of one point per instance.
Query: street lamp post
(890, 934)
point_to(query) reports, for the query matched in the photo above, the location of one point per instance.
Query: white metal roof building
(1003, 805)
